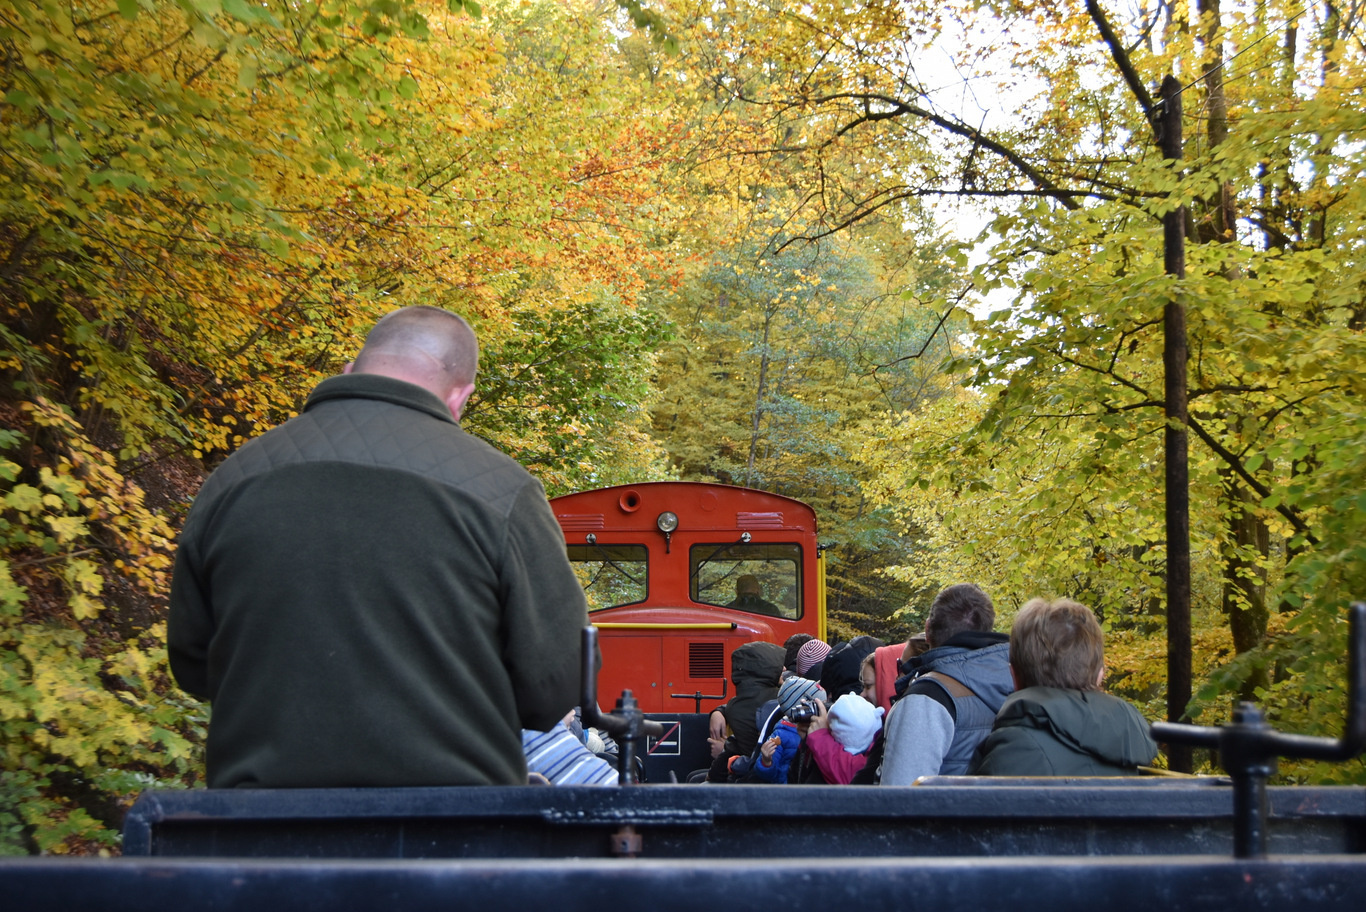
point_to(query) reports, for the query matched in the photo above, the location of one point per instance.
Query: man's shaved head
(428, 346)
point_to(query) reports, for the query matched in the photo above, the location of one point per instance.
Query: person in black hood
(954, 690)
(755, 669)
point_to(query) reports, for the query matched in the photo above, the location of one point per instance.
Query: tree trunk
(1244, 592)
(1222, 221)
(756, 418)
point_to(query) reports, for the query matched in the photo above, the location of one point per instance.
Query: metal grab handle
(698, 696)
(627, 724)
(1249, 747)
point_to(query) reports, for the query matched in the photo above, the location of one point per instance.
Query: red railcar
(678, 574)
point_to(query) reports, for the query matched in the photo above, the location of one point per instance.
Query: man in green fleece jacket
(1059, 722)
(370, 596)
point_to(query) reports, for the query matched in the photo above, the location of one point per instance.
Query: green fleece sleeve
(544, 613)
(189, 627)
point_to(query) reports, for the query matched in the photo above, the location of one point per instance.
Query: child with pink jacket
(839, 739)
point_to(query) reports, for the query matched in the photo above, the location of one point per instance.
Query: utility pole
(1175, 442)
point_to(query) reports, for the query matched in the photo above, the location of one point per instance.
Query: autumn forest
(901, 260)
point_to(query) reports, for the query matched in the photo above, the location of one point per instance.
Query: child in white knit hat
(839, 740)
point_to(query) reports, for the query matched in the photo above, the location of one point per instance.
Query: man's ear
(457, 398)
(347, 368)
(1014, 678)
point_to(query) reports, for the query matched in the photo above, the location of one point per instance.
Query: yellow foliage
(234, 199)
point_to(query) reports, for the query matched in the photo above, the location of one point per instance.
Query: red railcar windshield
(611, 575)
(761, 578)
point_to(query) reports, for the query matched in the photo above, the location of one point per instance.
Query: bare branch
(1236, 465)
(1121, 57)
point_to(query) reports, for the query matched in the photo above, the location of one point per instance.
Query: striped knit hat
(812, 653)
(796, 689)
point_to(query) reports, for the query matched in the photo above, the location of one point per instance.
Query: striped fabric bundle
(563, 759)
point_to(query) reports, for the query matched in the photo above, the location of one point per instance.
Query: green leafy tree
(1067, 381)
(203, 206)
(782, 359)
(1069, 378)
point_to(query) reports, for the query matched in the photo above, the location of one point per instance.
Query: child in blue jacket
(771, 761)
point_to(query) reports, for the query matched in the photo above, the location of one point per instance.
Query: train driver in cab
(749, 596)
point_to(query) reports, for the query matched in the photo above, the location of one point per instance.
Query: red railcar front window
(611, 575)
(761, 578)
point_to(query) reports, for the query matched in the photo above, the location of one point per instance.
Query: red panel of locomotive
(678, 574)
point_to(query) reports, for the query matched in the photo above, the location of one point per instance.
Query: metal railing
(1249, 748)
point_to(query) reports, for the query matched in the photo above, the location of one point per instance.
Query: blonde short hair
(1057, 644)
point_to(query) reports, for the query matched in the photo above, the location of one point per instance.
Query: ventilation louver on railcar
(706, 660)
(581, 522)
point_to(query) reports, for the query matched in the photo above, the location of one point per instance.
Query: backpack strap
(942, 689)
(955, 687)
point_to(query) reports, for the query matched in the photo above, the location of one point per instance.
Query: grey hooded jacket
(936, 727)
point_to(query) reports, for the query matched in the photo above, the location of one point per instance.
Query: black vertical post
(1248, 742)
(1174, 357)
